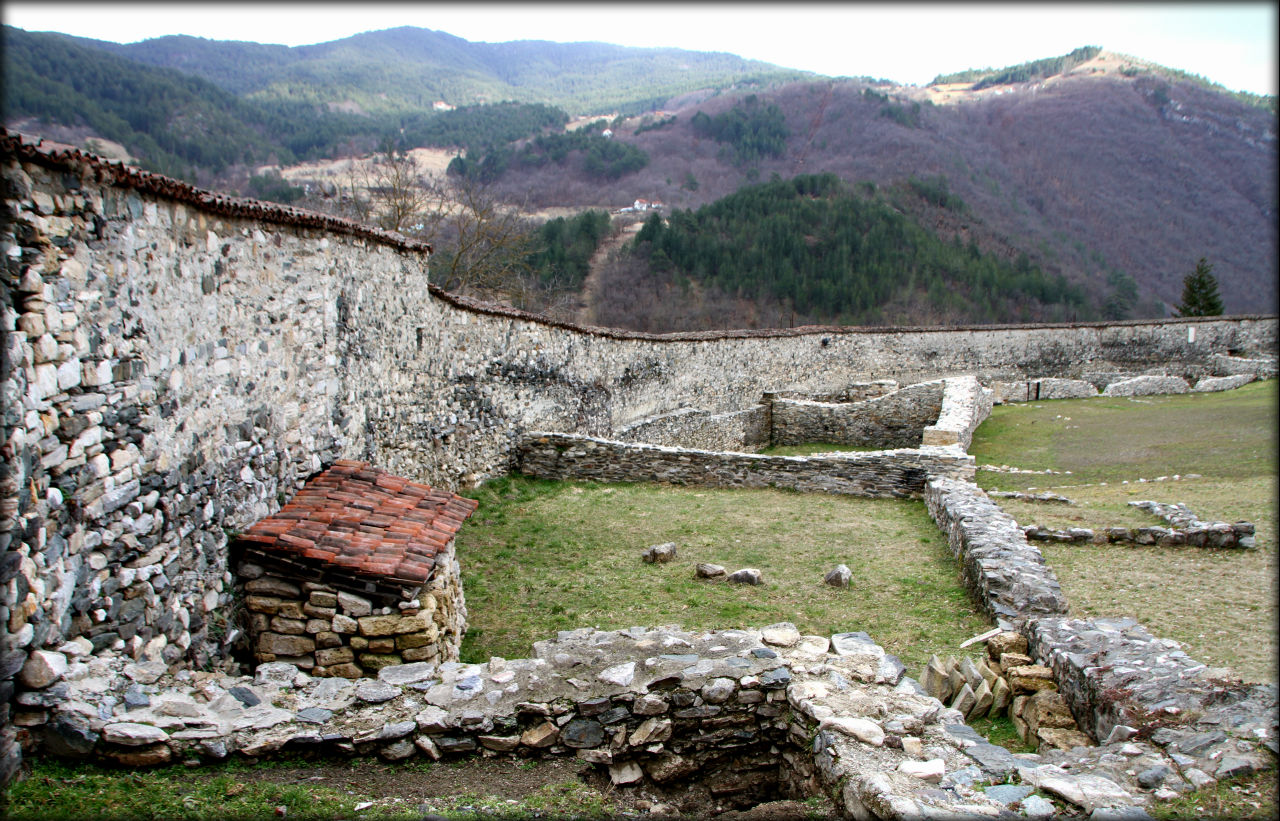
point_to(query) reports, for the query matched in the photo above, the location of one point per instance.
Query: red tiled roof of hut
(361, 519)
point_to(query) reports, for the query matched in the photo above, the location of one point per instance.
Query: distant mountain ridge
(400, 68)
(1114, 173)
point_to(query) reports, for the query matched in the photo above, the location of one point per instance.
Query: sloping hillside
(1097, 176)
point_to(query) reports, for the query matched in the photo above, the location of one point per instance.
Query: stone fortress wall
(175, 363)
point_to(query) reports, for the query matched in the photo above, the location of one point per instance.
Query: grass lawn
(1221, 603)
(540, 556)
(304, 789)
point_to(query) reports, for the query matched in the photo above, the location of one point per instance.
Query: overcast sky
(1230, 43)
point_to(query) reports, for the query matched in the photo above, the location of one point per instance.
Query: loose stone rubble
(838, 576)
(1187, 530)
(659, 553)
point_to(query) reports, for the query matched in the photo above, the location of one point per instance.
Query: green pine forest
(187, 127)
(838, 254)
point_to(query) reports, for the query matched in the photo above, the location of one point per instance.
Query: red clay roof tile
(367, 521)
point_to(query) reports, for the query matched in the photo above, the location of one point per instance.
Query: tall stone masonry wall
(170, 374)
(176, 362)
(891, 421)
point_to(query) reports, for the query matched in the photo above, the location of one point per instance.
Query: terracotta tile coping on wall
(363, 520)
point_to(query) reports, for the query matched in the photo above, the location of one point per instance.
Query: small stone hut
(357, 572)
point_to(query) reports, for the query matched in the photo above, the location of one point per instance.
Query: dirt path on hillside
(590, 293)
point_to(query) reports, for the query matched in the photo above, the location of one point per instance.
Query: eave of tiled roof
(358, 519)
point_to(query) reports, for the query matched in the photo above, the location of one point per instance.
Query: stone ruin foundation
(136, 440)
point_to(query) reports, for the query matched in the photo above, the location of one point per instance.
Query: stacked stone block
(965, 404)
(1007, 682)
(328, 631)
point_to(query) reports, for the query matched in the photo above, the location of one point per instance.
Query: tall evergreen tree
(1200, 292)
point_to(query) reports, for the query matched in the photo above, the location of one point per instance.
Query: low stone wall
(1211, 384)
(330, 632)
(1215, 535)
(852, 392)
(746, 430)
(894, 420)
(1187, 529)
(1259, 368)
(1034, 390)
(1147, 385)
(886, 473)
(1006, 575)
(745, 715)
(1120, 680)
(965, 404)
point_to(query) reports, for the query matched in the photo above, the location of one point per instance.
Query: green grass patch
(1226, 435)
(1000, 730)
(540, 556)
(1222, 604)
(60, 790)
(306, 789)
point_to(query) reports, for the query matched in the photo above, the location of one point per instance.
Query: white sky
(1230, 43)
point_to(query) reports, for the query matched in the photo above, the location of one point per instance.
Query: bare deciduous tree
(482, 245)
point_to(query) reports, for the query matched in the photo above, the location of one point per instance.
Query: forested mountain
(185, 126)
(407, 68)
(1115, 175)
(833, 254)
(1104, 173)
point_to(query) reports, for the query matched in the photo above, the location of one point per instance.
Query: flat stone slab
(131, 734)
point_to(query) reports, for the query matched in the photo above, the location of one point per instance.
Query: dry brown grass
(1222, 604)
